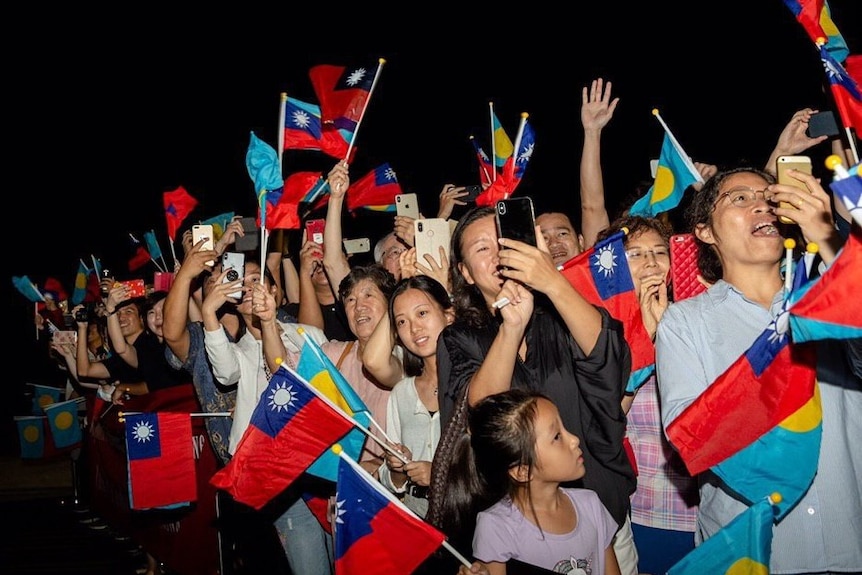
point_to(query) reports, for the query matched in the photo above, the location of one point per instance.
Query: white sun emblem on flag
(144, 432)
(301, 119)
(281, 397)
(778, 328)
(356, 76)
(526, 154)
(390, 174)
(339, 511)
(831, 70)
(484, 155)
(606, 260)
(854, 209)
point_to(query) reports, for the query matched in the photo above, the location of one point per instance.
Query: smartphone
(251, 240)
(472, 193)
(516, 219)
(234, 263)
(65, 336)
(784, 163)
(683, 267)
(407, 205)
(357, 246)
(429, 235)
(137, 288)
(162, 281)
(204, 231)
(822, 124)
(314, 230)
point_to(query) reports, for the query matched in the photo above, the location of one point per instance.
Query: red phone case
(683, 267)
(314, 230)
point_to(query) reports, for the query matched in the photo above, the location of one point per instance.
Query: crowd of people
(508, 425)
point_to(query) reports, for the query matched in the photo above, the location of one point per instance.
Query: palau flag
(343, 92)
(82, 279)
(27, 288)
(675, 173)
(31, 436)
(161, 460)
(44, 395)
(290, 427)
(303, 130)
(316, 368)
(261, 162)
(821, 308)
(63, 422)
(375, 534)
(743, 546)
(503, 146)
(816, 18)
(770, 382)
(376, 190)
(601, 275)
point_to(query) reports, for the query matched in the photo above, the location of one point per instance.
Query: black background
(108, 110)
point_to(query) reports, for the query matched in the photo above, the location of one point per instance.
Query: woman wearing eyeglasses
(734, 217)
(664, 506)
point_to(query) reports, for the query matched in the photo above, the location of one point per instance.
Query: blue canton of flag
(303, 116)
(525, 150)
(609, 277)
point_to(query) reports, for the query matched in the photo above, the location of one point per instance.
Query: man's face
(559, 234)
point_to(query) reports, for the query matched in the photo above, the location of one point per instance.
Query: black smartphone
(516, 219)
(822, 124)
(472, 193)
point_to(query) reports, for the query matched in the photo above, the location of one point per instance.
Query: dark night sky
(113, 110)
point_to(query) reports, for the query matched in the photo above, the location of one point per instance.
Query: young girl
(419, 309)
(522, 453)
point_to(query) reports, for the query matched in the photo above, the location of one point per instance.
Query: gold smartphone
(204, 232)
(784, 163)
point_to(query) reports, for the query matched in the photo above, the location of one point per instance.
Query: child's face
(558, 454)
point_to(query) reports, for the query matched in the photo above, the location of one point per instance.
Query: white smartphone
(429, 235)
(234, 263)
(357, 246)
(407, 205)
(204, 232)
(784, 163)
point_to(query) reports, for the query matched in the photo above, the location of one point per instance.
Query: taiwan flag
(284, 214)
(486, 168)
(343, 93)
(845, 91)
(374, 532)
(161, 460)
(376, 190)
(289, 429)
(770, 382)
(601, 275)
(178, 205)
(849, 192)
(743, 546)
(303, 130)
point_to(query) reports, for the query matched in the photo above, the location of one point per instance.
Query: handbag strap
(344, 353)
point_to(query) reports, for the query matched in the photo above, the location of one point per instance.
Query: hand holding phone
(407, 205)
(204, 232)
(234, 263)
(429, 236)
(314, 230)
(785, 163)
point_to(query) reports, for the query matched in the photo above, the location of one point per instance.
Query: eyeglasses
(640, 255)
(742, 197)
(394, 252)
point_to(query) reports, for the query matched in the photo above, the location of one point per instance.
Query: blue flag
(27, 288)
(31, 435)
(44, 395)
(63, 422)
(675, 173)
(153, 244)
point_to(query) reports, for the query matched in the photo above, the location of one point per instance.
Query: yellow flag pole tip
(789, 243)
(525, 115)
(833, 161)
(655, 111)
(820, 41)
(625, 230)
(812, 248)
(337, 449)
(382, 60)
(278, 361)
(775, 498)
(300, 330)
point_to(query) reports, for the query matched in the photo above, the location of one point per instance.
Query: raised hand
(597, 107)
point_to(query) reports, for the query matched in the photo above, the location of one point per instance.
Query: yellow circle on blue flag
(31, 433)
(664, 184)
(63, 420)
(747, 566)
(46, 399)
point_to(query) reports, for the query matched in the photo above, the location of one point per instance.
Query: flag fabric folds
(771, 381)
(486, 167)
(27, 288)
(342, 92)
(375, 191)
(63, 423)
(319, 371)
(815, 17)
(178, 205)
(82, 279)
(31, 435)
(845, 91)
(44, 395)
(374, 532)
(675, 173)
(743, 546)
(303, 130)
(523, 155)
(153, 244)
(289, 428)
(261, 162)
(161, 460)
(297, 186)
(503, 146)
(818, 310)
(601, 275)
(140, 257)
